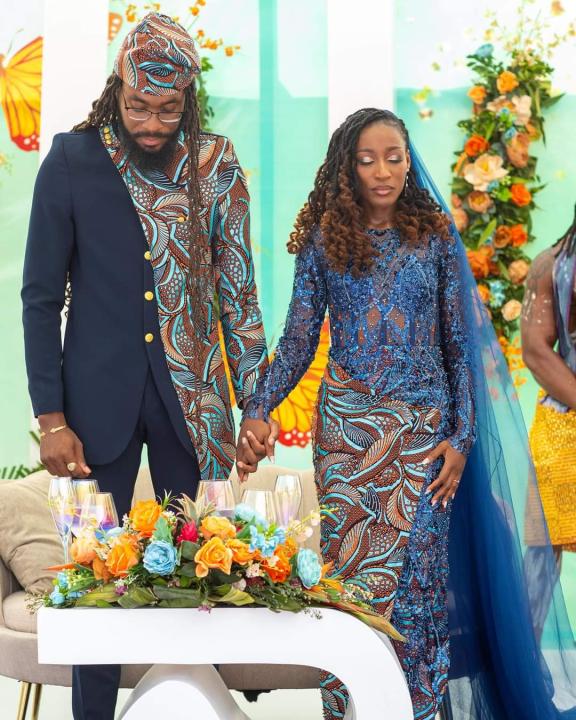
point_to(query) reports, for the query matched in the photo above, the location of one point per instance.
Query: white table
(183, 644)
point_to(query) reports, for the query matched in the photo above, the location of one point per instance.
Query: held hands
(62, 453)
(255, 442)
(446, 484)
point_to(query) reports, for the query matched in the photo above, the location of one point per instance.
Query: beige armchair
(18, 642)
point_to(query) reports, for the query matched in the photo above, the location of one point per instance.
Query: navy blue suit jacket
(84, 227)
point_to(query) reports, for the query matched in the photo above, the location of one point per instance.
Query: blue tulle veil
(513, 651)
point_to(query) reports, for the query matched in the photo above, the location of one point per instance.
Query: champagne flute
(99, 511)
(62, 506)
(217, 493)
(262, 502)
(82, 488)
(288, 494)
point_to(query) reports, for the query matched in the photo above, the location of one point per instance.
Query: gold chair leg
(24, 697)
(36, 697)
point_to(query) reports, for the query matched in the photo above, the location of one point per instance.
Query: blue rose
(248, 514)
(62, 579)
(74, 595)
(493, 185)
(56, 597)
(485, 51)
(510, 133)
(503, 112)
(259, 541)
(497, 292)
(160, 557)
(308, 567)
(279, 536)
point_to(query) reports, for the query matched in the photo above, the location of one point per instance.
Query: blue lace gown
(398, 381)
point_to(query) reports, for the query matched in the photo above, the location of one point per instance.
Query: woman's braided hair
(334, 204)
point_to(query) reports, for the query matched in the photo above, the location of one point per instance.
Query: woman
(396, 417)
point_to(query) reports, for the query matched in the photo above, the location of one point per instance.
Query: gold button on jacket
(147, 255)
(148, 337)
(149, 295)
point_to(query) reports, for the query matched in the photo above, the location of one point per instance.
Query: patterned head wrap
(157, 57)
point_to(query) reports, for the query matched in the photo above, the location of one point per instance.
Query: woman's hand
(255, 442)
(446, 484)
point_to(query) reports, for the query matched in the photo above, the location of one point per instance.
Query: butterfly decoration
(294, 414)
(114, 24)
(20, 91)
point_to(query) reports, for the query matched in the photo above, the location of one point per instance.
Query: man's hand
(61, 453)
(255, 442)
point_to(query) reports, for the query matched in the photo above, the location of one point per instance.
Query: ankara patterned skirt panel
(381, 531)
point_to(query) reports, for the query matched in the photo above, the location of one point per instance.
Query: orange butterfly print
(295, 413)
(20, 90)
(114, 24)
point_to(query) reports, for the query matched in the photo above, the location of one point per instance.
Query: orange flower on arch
(518, 236)
(476, 145)
(506, 82)
(521, 196)
(480, 261)
(477, 94)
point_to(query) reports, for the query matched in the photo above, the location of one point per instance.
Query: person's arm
(47, 259)
(240, 315)
(455, 343)
(297, 346)
(539, 335)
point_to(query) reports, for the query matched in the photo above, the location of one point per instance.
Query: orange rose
(518, 236)
(213, 555)
(290, 548)
(144, 515)
(506, 82)
(83, 550)
(479, 201)
(241, 553)
(123, 555)
(100, 570)
(502, 236)
(476, 145)
(484, 293)
(518, 150)
(455, 200)
(521, 196)
(277, 567)
(511, 311)
(477, 94)
(532, 131)
(480, 261)
(219, 526)
(460, 219)
(518, 270)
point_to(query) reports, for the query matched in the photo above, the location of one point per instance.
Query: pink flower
(189, 532)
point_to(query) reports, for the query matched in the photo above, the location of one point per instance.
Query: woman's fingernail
(244, 441)
(272, 459)
(445, 503)
(434, 502)
(425, 461)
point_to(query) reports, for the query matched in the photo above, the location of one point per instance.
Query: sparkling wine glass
(219, 494)
(82, 488)
(99, 511)
(62, 505)
(288, 495)
(262, 502)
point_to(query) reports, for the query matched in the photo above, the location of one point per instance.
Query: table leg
(181, 692)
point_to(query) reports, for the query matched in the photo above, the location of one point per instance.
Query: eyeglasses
(143, 115)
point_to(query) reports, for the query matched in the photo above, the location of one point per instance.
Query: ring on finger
(71, 466)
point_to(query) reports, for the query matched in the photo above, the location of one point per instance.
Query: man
(548, 327)
(146, 220)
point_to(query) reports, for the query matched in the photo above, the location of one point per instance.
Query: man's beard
(144, 159)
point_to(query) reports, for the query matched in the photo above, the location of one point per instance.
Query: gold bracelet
(53, 430)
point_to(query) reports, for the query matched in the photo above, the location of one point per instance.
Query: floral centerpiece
(494, 177)
(170, 554)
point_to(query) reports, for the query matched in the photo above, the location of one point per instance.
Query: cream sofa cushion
(29, 542)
